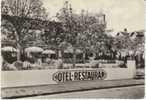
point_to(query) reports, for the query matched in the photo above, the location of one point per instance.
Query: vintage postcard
(85, 49)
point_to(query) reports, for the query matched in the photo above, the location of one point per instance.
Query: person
(59, 63)
(18, 65)
(31, 59)
(26, 65)
(5, 65)
(39, 61)
(48, 60)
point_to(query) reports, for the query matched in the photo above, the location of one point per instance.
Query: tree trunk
(84, 57)
(74, 57)
(94, 55)
(18, 39)
(19, 52)
(59, 54)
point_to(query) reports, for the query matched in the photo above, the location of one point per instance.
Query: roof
(137, 33)
(123, 33)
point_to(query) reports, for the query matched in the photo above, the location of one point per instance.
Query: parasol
(9, 49)
(33, 49)
(48, 52)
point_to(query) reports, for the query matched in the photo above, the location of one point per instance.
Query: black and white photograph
(72, 49)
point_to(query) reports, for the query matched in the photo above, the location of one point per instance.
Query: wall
(42, 77)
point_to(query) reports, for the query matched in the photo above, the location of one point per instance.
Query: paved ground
(132, 92)
(67, 87)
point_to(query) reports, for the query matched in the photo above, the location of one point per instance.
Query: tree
(70, 26)
(123, 42)
(18, 13)
(82, 31)
(92, 32)
(53, 35)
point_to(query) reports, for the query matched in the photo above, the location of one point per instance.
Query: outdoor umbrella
(9, 49)
(34, 49)
(78, 51)
(70, 50)
(48, 52)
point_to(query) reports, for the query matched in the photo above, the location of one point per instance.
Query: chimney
(125, 30)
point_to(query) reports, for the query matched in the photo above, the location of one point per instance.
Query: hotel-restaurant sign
(79, 75)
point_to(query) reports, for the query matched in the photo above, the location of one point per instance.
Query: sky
(120, 14)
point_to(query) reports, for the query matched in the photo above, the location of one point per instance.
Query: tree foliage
(17, 11)
(81, 30)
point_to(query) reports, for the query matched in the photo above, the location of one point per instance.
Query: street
(124, 93)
